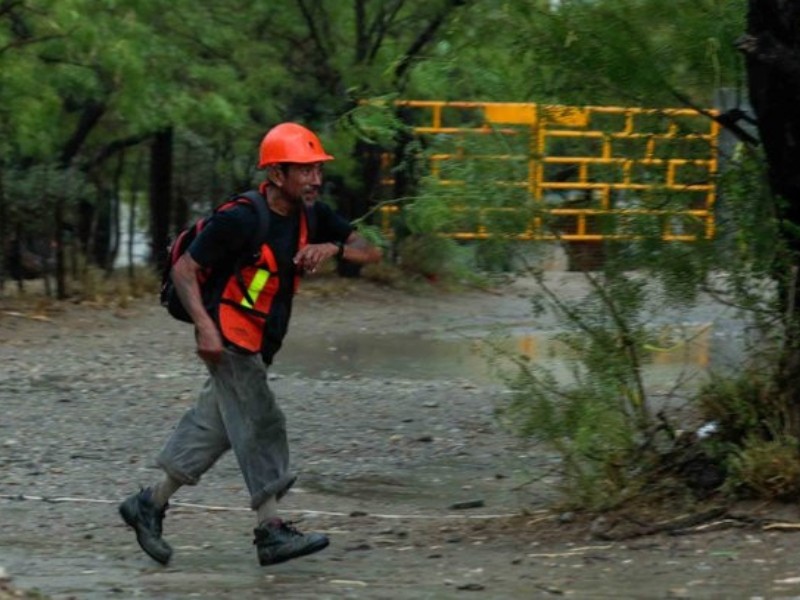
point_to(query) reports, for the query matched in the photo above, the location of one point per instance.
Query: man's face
(302, 181)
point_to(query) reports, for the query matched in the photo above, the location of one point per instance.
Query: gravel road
(402, 463)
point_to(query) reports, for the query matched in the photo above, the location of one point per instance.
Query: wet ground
(402, 463)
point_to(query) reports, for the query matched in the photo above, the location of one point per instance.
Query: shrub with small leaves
(766, 469)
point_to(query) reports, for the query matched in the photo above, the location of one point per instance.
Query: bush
(766, 469)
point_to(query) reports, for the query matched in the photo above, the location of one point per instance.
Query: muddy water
(681, 353)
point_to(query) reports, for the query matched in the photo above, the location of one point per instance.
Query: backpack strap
(258, 202)
(262, 212)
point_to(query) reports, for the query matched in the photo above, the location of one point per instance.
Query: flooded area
(684, 353)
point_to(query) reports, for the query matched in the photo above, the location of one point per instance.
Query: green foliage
(645, 51)
(751, 237)
(596, 52)
(754, 415)
(428, 214)
(600, 417)
(375, 122)
(494, 256)
(436, 259)
(752, 433)
(214, 73)
(587, 424)
(766, 469)
(32, 194)
(742, 406)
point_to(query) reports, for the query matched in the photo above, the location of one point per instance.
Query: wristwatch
(339, 245)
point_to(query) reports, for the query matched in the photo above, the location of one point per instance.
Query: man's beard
(309, 194)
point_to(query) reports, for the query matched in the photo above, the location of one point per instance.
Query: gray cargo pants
(235, 409)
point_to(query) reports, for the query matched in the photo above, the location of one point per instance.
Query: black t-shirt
(227, 238)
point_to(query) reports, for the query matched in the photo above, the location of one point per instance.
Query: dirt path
(389, 457)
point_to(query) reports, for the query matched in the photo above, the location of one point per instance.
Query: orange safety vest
(248, 296)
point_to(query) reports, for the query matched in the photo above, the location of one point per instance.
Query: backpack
(168, 296)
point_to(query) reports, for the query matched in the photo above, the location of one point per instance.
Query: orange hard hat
(291, 143)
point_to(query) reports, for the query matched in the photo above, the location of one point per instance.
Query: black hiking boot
(139, 512)
(277, 541)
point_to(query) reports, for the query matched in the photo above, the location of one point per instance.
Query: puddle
(682, 352)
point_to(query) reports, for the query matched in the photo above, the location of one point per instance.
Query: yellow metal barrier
(572, 173)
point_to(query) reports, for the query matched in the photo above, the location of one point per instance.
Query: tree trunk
(116, 202)
(772, 54)
(4, 233)
(61, 271)
(160, 195)
(135, 190)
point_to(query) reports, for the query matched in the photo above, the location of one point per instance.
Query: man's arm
(355, 249)
(358, 250)
(184, 276)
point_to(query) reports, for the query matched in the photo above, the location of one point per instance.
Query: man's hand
(209, 344)
(209, 341)
(355, 249)
(311, 256)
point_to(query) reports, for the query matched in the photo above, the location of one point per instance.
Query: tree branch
(423, 39)
(728, 120)
(29, 41)
(8, 5)
(380, 26)
(313, 30)
(112, 148)
(20, 29)
(361, 33)
(90, 116)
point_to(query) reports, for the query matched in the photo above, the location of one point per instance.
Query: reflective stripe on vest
(255, 288)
